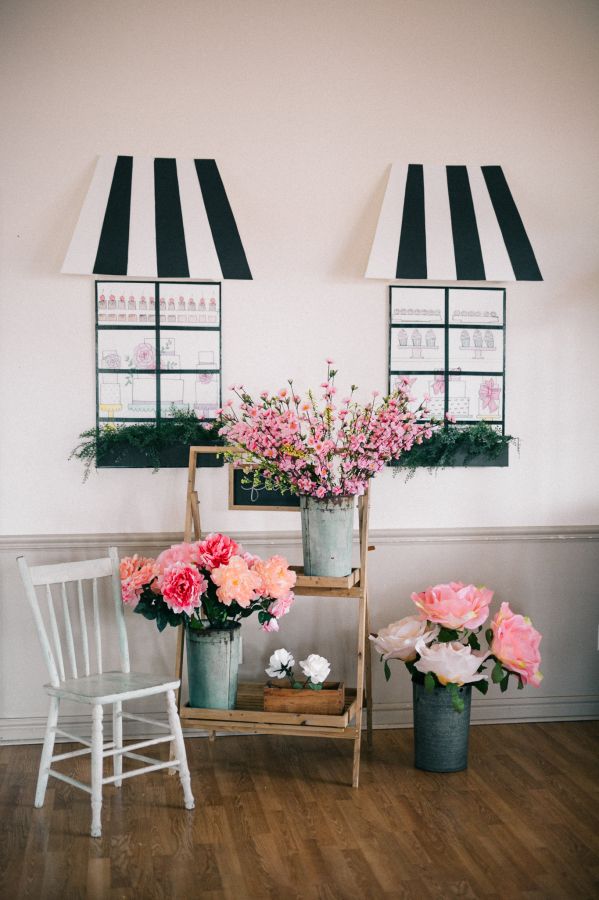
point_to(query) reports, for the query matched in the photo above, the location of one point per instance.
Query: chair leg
(117, 736)
(97, 770)
(48, 748)
(175, 726)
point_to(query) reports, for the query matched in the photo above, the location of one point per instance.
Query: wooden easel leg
(359, 688)
(368, 665)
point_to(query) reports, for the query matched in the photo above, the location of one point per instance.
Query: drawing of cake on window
(171, 388)
(206, 395)
(109, 388)
(458, 403)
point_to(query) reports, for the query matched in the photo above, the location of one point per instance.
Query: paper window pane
(424, 306)
(475, 307)
(200, 393)
(476, 397)
(126, 396)
(419, 387)
(126, 303)
(189, 349)
(417, 348)
(476, 349)
(195, 305)
(126, 349)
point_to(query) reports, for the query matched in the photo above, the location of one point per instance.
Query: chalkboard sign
(244, 496)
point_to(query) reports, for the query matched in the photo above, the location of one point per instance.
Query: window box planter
(175, 456)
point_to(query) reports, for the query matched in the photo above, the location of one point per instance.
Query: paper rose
(216, 550)
(136, 572)
(236, 582)
(516, 645)
(454, 605)
(186, 553)
(277, 577)
(279, 663)
(315, 667)
(182, 587)
(398, 640)
(450, 662)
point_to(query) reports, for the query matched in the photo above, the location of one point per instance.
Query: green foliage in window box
(145, 445)
(459, 445)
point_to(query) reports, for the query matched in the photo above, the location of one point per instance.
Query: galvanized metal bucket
(327, 533)
(440, 733)
(212, 665)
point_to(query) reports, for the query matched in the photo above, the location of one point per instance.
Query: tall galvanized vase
(440, 733)
(327, 533)
(212, 666)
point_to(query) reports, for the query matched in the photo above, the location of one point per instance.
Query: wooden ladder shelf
(249, 715)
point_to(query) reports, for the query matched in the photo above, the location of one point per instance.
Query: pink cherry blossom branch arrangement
(440, 645)
(210, 582)
(320, 447)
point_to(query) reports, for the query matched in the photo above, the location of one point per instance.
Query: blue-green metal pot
(212, 666)
(440, 733)
(327, 535)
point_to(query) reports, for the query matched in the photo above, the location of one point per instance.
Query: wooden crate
(330, 700)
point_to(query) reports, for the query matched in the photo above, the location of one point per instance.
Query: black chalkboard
(244, 496)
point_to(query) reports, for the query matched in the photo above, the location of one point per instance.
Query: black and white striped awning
(162, 218)
(450, 223)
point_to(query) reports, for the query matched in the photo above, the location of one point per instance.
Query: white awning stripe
(81, 254)
(495, 256)
(383, 255)
(142, 231)
(201, 253)
(439, 238)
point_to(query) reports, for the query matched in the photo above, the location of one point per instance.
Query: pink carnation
(277, 577)
(236, 582)
(182, 587)
(133, 584)
(216, 550)
(454, 605)
(516, 645)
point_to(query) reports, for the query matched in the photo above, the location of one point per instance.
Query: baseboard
(30, 729)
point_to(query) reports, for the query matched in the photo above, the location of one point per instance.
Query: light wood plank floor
(276, 818)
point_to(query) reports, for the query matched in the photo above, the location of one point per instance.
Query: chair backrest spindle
(55, 632)
(69, 631)
(83, 624)
(97, 626)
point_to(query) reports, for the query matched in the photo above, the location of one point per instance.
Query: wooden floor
(276, 818)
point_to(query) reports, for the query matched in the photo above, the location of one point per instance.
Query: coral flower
(133, 583)
(516, 645)
(236, 582)
(277, 577)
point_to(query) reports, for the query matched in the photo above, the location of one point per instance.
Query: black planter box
(482, 460)
(174, 457)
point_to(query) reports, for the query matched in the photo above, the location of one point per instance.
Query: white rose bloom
(398, 640)
(451, 662)
(315, 667)
(279, 662)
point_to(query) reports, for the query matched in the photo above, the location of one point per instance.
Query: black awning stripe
(113, 246)
(466, 242)
(411, 255)
(171, 254)
(512, 228)
(226, 237)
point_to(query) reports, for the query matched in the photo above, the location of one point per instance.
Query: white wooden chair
(94, 687)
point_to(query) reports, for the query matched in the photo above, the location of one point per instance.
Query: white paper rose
(315, 667)
(398, 640)
(279, 663)
(450, 662)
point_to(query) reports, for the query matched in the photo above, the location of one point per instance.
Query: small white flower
(451, 662)
(279, 663)
(316, 668)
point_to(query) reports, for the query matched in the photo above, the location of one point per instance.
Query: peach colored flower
(182, 587)
(454, 605)
(277, 577)
(133, 584)
(131, 564)
(516, 645)
(398, 639)
(236, 582)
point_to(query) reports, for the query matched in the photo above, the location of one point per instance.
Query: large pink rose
(516, 645)
(277, 577)
(454, 605)
(236, 582)
(186, 553)
(216, 550)
(182, 587)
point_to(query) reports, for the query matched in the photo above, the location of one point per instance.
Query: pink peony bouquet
(213, 577)
(322, 448)
(440, 647)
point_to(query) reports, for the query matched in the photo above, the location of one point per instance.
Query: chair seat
(109, 686)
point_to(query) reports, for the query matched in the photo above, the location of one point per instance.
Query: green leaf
(489, 635)
(447, 634)
(387, 671)
(504, 683)
(497, 673)
(297, 685)
(520, 683)
(473, 641)
(456, 700)
(429, 682)
(482, 686)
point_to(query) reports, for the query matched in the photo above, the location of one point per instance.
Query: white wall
(304, 105)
